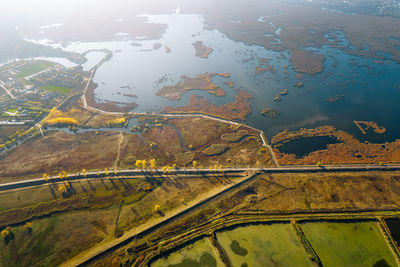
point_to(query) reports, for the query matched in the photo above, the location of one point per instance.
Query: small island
(230, 84)
(270, 112)
(263, 66)
(202, 50)
(200, 82)
(334, 99)
(307, 62)
(234, 110)
(369, 124)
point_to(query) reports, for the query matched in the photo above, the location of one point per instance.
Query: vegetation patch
(237, 249)
(270, 112)
(234, 137)
(32, 68)
(53, 88)
(183, 159)
(239, 109)
(216, 149)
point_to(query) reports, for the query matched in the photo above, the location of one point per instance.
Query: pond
(304, 146)
(394, 227)
(349, 244)
(263, 245)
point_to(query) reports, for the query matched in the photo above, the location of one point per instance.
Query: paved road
(139, 173)
(7, 91)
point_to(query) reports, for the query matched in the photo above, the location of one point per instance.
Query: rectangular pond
(349, 244)
(263, 245)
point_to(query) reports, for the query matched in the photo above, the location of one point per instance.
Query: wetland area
(199, 133)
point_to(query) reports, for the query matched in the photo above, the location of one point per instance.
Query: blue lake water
(371, 91)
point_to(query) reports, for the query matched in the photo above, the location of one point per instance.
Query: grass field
(52, 240)
(32, 68)
(58, 89)
(11, 112)
(348, 244)
(263, 245)
(199, 253)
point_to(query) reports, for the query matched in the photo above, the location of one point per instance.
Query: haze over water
(370, 90)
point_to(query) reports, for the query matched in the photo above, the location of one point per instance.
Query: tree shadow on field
(125, 184)
(182, 181)
(164, 187)
(83, 188)
(71, 189)
(113, 183)
(8, 238)
(219, 179)
(175, 182)
(226, 178)
(161, 213)
(102, 181)
(207, 178)
(52, 191)
(90, 184)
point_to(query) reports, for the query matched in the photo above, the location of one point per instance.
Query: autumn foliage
(57, 117)
(61, 120)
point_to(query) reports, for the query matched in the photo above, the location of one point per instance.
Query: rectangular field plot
(199, 253)
(263, 245)
(349, 244)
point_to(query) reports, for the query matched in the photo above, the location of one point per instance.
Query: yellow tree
(84, 172)
(220, 168)
(60, 175)
(152, 163)
(319, 164)
(138, 163)
(28, 225)
(106, 171)
(157, 208)
(62, 189)
(169, 169)
(115, 171)
(215, 167)
(65, 174)
(6, 231)
(144, 164)
(45, 177)
(194, 163)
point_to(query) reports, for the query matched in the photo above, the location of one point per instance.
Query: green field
(263, 245)
(58, 89)
(11, 111)
(32, 68)
(348, 244)
(199, 253)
